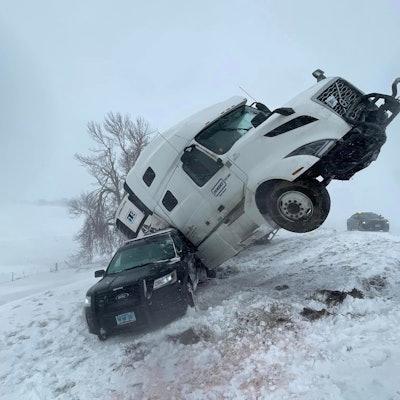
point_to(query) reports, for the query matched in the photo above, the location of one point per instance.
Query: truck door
(221, 190)
(185, 206)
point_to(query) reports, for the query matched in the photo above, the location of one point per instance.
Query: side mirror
(262, 107)
(186, 158)
(99, 273)
(394, 87)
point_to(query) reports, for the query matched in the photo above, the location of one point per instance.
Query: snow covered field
(311, 316)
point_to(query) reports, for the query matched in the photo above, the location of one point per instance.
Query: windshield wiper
(138, 266)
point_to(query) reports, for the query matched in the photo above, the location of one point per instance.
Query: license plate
(125, 318)
(377, 225)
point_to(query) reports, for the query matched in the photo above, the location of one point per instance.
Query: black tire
(211, 273)
(190, 297)
(102, 335)
(298, 206)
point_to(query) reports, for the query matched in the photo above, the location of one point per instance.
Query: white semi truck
(234, 173)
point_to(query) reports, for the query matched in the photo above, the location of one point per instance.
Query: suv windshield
(220, 136)
(368, 215)
(141, 252)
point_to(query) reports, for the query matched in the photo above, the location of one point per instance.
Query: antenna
(248, 94)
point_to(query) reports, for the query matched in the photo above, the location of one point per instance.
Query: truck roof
(182, 133)
(162, 152)
(192, 125)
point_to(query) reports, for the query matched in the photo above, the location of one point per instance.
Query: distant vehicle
(149, 280)
(234, 173)
(367, 221)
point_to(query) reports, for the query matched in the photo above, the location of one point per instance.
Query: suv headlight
(316, 149)
(88, 301)
(165, 280)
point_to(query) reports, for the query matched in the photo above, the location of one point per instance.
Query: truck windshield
(141, 252)
(220, 136)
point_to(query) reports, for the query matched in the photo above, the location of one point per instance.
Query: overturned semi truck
(234, 173)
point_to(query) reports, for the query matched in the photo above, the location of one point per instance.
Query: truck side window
(169, 201)
(149, 176)
(199, 166)
(220, 136)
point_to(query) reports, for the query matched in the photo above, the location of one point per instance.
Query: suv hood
(129, 277)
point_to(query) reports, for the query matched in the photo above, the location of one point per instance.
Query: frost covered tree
(118, 143)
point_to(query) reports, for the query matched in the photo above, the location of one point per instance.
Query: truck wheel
(298, 206)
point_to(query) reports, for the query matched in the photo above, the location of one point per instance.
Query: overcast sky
(64, 63)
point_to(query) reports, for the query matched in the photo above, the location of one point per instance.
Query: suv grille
(340, 96)
(374, 225)
(118, 300)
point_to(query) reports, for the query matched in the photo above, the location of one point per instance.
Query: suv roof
(160, 232)
(367, 214)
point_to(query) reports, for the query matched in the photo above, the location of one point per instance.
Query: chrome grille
(340, 97)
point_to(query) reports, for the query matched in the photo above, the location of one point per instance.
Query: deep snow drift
(308, 316)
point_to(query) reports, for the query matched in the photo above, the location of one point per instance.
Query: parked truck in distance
(234, 173)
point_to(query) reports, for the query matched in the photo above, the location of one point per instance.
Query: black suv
(367, 221)
(149, 280)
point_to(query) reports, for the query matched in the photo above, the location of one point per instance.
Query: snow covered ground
(312, 316)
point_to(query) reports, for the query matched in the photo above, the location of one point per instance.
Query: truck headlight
(316, 149)
(165, 280)
(88, 301)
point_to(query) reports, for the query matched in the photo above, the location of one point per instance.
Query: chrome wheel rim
(295, 206)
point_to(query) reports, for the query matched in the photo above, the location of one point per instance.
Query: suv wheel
(190, 298)
(298, 206)
(102, 335)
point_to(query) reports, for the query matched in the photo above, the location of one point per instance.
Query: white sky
(65, 63)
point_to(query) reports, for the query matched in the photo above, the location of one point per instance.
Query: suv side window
(178, 243)
(199, 166)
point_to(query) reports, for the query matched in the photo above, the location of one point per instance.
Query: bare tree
(119, 142)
